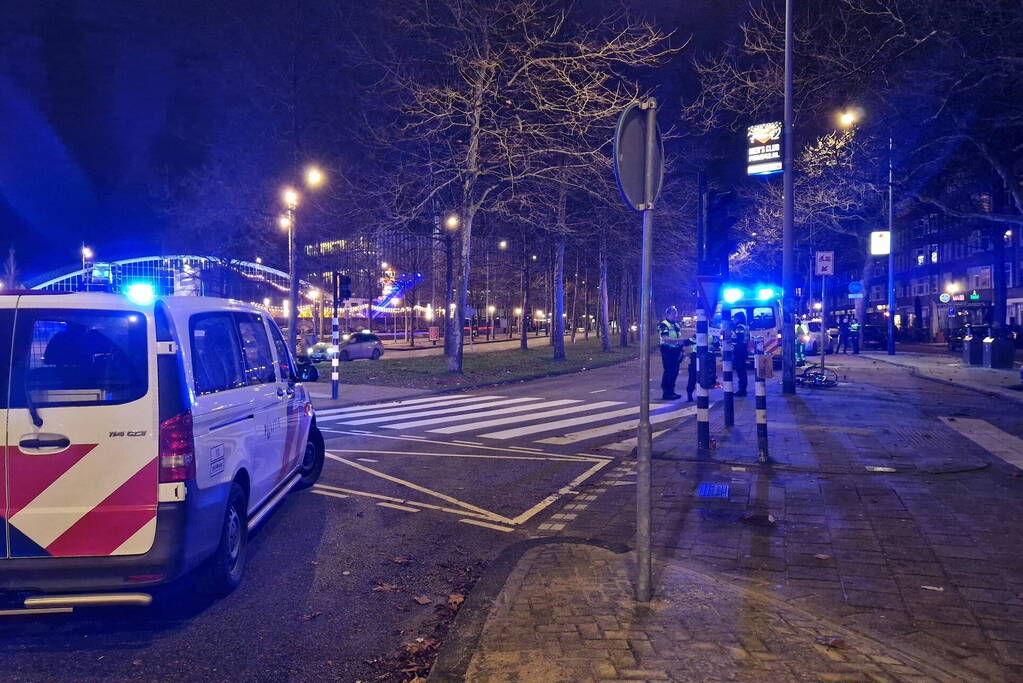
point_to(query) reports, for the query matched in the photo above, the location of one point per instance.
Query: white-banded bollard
(764, 369)
(335, 376)
(727, 381)
(702, 388)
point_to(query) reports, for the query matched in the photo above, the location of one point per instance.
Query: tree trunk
(623, 310)
(455, 359)
(523, 326)
(558, 324)
(586, 305)
(999, 291)
(575, 298)
(605, 324)
(449, 276)
(865, 276)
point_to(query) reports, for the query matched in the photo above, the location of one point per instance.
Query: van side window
(216, 353)
(259, 362)
(79, 357)
(284, 363)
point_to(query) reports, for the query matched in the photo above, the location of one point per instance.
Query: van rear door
(81, 437)
(7, 308)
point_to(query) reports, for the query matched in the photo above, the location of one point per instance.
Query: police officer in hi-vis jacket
(671, 352)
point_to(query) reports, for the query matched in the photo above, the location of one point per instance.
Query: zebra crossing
(490, 417)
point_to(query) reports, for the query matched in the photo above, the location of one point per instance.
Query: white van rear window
(75, 357)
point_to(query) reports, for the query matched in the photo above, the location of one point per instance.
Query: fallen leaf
(831, 641)
(345, 573)
(422, 600)
(310, 616)
(136, 662)
(385, 588)
(455, 600)
(420, 645)
(822, 556)
(933, 588)
(400, 560)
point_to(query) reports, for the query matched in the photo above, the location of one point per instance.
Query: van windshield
(75, 357)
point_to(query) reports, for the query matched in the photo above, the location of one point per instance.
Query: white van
(142, 441)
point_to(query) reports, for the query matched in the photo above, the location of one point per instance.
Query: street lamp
(314, 178)
(952, 288)
(452, 222)
(502, 245)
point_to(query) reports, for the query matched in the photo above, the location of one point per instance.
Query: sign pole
(788, 255)
(643, 475)
(824, 317)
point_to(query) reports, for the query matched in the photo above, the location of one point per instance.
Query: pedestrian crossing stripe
(439, 411)
(559, 424)
(995, 441)
(610, 430)
(395, 407)
(486, 424)
(485, 413)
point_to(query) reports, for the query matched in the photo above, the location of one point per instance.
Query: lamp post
(87, 255)
(313, 178)
(788, 256)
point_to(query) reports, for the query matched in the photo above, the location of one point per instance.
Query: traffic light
(722, 215)
(346, 287)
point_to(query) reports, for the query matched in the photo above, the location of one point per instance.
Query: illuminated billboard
(763, 152)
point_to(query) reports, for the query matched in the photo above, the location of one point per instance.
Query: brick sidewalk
(567, 614)
(922, 554)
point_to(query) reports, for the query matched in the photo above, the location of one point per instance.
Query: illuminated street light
(259, 259)
(452, 222)
(534, 257)
(503, 244)
(313, 294)
(952, 288)
(518, 311)
(266, 302)
(817, 306)
(284, 222)
(383, 264)
(290, 197)
(849, 118)
(87, 253)
(313, 176)
(491, 309)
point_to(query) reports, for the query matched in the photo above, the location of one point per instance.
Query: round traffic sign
(855, 287)
(944, 297)
(630, 158)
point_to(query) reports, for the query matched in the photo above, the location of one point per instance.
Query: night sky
(125, 123)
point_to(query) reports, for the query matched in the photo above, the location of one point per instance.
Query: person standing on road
(671, 352)
(843, 335)
(740, 350)
(854, 335)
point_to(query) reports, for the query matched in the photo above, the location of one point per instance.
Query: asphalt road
(415, 499)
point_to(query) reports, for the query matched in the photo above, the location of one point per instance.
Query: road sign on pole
(825, 263)
(639, 170)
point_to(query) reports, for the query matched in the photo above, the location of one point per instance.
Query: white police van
(143, 439)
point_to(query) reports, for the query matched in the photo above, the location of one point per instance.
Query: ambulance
(761, 305)
(143, 438)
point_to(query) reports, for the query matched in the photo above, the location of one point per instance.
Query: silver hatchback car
(360, 345)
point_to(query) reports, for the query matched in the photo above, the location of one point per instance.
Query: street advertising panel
(763, 152)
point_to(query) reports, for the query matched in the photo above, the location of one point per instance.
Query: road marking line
(331, 494)
(395, 506)
(527, 448)
(485, 413)
(547, 526)
(467, 443)
(367, 460)
(995, 441)
(598, 391)
(529, 418)
(410, 436)
(439, 411)
(559, 424)
(585, 457)
(378, 496)
(629, 444)
(525, 516)
(493, 516)
(608, 430)
(411, 404)
(488, 525)
(524, 456)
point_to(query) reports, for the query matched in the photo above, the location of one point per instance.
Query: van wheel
(344, 356)
(223, 572)
(376, 354)
(312, 462)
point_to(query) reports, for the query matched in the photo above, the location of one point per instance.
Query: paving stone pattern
(927, 558)
(567, 614)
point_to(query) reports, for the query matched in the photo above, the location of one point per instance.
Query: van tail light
(177, 449)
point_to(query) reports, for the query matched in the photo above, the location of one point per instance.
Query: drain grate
(709, 490)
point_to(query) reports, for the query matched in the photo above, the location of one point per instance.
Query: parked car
(144, 440)
(873, 337)
(360, 345)
(955, 339)
(319, 352)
